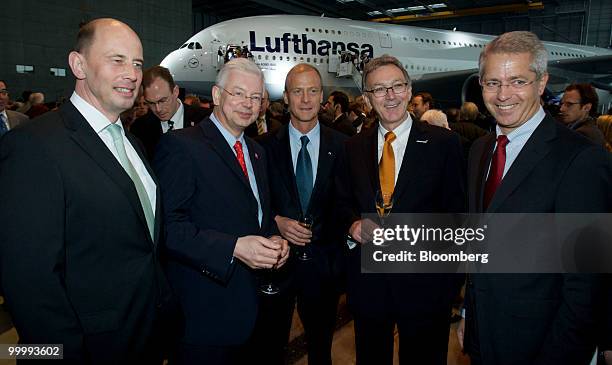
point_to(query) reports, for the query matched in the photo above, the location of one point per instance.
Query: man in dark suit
(421, 168)
(79, 258)
(336, 107)
(578, 110)
(532, 165)
(8, 119)
(265, 122)
(302, 178)
(166, 110)
(217, 210)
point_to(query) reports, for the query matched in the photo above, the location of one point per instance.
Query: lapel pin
(329, 153)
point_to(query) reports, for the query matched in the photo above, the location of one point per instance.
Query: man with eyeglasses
(532, 164)
(8, 119)
(218, 216)
(578, 111)
(421, 168)
(166, 111)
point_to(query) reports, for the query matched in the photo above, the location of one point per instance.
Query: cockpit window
(190, 45)
(198, 45)
(183, 46)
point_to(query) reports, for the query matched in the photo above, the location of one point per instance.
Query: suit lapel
(283, 151)
(326, 161)
(370, 154)
(158, 212)
(90, 142)
(411, 161)
(220, 146)
(536, 148)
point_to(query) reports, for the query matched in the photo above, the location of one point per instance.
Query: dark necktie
(170, 125)
(3, 127)
(303, 174)
(240, 157)
(496, 172)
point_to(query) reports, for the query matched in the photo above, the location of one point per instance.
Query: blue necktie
(3, 127)
(303, 174)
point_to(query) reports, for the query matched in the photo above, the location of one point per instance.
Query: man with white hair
(214, 251)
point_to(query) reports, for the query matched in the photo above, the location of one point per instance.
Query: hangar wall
(41, 34)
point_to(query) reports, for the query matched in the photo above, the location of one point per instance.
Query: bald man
(79, 259)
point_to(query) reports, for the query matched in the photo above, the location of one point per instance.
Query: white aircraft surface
(442, 62)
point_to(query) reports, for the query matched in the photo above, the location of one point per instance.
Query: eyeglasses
(256, 99)
(492, 86)
(380, 91)
(160, 102)
(569, 104)
(4, 92)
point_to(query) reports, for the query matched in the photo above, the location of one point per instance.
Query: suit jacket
(327, 235)
(148, 127)
(15, 118)
(208, 205)
(589, 129)
(78, 263)
(538, 318)
(343, 125)
(430, 180)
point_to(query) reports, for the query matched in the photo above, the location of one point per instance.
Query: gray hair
(517, 42)
(238, 64)
(435, 117)
(381, 61)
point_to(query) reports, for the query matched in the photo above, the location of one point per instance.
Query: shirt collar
(178, 114)
(399, 130)
(229, 137)
(312, 135)
(93, 116)
(527, 128)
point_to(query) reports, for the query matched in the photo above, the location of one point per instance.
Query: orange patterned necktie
(386, 168)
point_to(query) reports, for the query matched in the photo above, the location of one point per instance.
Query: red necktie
(240, 157)
(496, 172)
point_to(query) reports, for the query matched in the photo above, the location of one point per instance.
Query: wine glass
(384, 204)
(270, 288)
(306, 222)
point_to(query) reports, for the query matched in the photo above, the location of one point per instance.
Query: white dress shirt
(99, 122)
(402, 132)
(177, 118)
(313, 146)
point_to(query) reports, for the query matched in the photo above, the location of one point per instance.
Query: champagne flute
(384, 204)
(306, 222)
(270, 288)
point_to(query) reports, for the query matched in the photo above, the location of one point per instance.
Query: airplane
(442, 62)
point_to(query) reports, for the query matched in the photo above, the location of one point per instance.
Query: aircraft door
(217, 52)
(385, 40)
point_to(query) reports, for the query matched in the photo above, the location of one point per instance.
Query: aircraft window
(198, 45)
(339, 32)
(183, 46)
(314, 60)
(455, 43)
(320, 31)
(308, 59)
(439, 41)
(412, 67)
(443, 42)
(259, 57)
(190, 46)
(294, 58)
(326, 31)
(327, 60)
(427, 40)
(273, 58)
(267, 57)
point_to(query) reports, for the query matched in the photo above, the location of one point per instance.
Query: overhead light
(375, 12)
(454, 29)
(437, 6)
(415, 8)
(344, 1)
(397, 10)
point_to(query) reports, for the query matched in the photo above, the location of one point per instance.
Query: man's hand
(284, 251)
(461, 332)
(258, 252)
(293, 231)
(361, 230)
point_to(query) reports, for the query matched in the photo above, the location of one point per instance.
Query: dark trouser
(317, 302)
(209, 355)
(422, 342)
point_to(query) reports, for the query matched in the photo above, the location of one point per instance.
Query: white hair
(435, 117)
